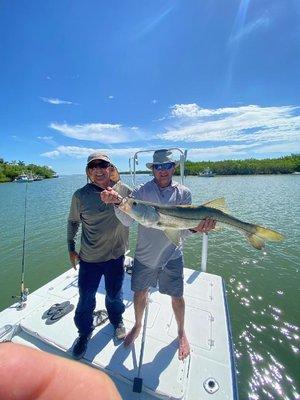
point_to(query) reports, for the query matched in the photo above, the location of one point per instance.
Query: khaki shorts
(168, 278)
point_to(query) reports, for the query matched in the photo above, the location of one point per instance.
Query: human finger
(203, 225)
(209, 224)
(42, 376)
(115, 197)
(104, 195)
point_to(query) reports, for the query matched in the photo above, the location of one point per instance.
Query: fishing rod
(24, 291)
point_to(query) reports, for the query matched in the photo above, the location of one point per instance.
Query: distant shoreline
(270, 166)
(251, 174)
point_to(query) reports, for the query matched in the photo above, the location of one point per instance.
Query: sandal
(59, 313)
(100, 317)
(53, 309)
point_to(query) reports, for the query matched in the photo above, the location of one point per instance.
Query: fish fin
(218, 204)
(256, 241)
(268, 234)
(262, 234)
(173, 235)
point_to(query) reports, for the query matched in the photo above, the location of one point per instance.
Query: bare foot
(132, 335)
(183, 348)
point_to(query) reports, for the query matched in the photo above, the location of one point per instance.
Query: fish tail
(262, 234)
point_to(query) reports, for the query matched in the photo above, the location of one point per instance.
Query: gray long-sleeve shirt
(103, 236)
(153, 248)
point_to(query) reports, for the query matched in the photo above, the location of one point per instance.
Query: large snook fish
(173, 219)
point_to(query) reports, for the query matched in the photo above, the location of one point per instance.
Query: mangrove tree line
(282, 165)
(10, 170)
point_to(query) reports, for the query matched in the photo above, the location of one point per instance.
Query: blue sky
(219, 78)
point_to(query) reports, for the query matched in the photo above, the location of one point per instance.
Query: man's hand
(205, 225)
(74, 258)
(110, 196)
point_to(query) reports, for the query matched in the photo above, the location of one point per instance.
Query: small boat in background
(207, 173)
(38, 178)
(23, 178)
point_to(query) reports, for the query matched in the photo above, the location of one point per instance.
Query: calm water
(263, 286)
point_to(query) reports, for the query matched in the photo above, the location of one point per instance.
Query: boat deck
(164, 376)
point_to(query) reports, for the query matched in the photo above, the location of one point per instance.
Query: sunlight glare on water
(262, 286)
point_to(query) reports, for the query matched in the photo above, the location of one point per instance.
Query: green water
(263, 286)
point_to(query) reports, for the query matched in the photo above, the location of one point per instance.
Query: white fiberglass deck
(164, 376)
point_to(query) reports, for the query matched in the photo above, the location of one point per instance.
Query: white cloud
(51, 154)
(191, 123)
(154, 101)
(220, 133)
(48, 140)
(237, 151)
(111, 97)
(56, 101)
(251, 27)
(151, 23)
(83, 152)
(189, 111)
(292, 147)
(97, 132)
(45, 137)
(217, 150)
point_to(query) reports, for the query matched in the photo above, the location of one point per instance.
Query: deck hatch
(198, 327)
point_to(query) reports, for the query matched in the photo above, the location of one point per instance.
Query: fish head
(145, 214)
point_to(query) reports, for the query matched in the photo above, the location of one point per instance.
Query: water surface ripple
(262, 286)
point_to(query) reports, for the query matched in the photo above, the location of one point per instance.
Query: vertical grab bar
(204, 252)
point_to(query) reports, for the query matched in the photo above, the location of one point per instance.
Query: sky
(218, 78)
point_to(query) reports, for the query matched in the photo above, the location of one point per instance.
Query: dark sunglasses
(164, 166)
(98, 164)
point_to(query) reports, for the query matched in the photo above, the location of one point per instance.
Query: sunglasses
(164, 166)
(98, 164)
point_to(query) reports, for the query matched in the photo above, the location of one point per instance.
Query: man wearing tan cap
(104, 240)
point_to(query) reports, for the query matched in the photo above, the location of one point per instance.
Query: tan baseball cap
(98, 155)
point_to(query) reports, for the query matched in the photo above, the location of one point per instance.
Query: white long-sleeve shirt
(153, 248)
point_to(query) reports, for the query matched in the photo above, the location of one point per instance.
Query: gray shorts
(169, 278)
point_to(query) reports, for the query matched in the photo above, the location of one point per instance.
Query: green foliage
(10, 170)
(282, 165)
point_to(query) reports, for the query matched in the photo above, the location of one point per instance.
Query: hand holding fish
(205, 225)
(110, 196)
(172, 219)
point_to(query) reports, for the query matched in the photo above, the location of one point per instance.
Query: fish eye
(134, 203)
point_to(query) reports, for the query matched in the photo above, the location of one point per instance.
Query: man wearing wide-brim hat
(157, 260)
(162, 157)
(104, 240)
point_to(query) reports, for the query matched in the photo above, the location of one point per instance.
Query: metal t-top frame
(133, 162)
